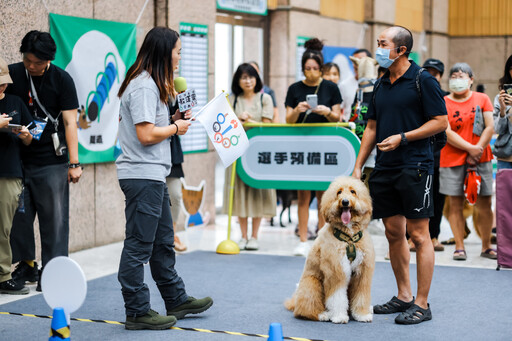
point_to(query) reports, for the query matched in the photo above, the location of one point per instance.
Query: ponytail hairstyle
(313, 51)
(155, 57)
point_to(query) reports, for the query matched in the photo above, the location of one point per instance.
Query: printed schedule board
(194, 68)
(298, 156)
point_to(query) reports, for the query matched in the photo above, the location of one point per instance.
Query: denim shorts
(504, 165)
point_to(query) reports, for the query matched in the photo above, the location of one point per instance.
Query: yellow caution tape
(175, 328)
(62, 333)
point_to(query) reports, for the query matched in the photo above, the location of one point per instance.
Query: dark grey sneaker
(191, 306)
(152, 320)
(25, 273)
(11, 287)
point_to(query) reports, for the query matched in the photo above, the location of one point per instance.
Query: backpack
(437, 141)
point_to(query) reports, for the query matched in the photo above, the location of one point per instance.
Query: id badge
(37, 131)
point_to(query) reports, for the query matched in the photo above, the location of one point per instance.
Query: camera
(60, 148)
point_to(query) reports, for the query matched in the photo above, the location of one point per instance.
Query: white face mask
(458, 84)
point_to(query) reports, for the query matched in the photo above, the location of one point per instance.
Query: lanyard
(309, 110)
(34, 93)
(318, 86)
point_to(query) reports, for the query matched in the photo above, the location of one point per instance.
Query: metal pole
(231, 194)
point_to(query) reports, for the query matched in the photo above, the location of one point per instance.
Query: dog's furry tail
(290, 303)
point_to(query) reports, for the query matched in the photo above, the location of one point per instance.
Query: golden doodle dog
(338, 273)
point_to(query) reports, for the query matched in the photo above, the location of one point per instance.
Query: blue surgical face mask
(382, 56)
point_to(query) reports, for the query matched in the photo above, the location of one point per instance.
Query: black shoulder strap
(437, 141)
(234, 103)
(261, 100)
(418, 86)
(375, 88)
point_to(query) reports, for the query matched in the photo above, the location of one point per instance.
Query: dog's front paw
(339, 318)
(363, 318)
(323, 316)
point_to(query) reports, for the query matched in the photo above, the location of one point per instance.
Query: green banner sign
(244, 6)
(415, 56)
(193, 28)
(298, 156)
(97, 54)
(301, 40)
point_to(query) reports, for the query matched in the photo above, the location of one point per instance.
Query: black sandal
(414, 315)
(393, 306)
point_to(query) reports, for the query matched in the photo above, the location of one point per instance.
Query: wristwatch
(74, 165)
(404, 141)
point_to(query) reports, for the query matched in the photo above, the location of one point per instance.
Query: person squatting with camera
(50, 161)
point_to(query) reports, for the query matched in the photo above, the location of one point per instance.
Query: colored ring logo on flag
(219, 137)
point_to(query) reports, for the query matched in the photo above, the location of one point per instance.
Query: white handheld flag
(224, 129)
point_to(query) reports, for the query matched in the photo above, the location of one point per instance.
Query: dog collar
(350, 240)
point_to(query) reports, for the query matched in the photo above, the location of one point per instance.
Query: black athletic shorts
(404, 192)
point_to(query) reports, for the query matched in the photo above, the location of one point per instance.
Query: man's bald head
(400, 36)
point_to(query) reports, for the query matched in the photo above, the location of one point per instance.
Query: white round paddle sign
(64, 285)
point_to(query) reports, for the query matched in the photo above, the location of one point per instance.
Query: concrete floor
(273, 240)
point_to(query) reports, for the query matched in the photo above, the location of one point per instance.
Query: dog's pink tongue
(345, 216)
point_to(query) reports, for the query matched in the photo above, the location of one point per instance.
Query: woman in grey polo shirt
(145, 128)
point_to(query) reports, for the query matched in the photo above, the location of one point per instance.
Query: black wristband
(177, 129)
(74, 165)
(403, 141)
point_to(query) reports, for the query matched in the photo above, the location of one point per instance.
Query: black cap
(435, 64)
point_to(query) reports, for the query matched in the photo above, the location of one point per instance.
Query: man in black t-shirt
(436, 68)
(14, 119)
(50, 95)
(400, 124)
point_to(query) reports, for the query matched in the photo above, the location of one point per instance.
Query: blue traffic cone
(60, 329)
(275, 332)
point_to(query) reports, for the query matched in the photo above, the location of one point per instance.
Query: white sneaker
(376, 227)
(242, 243)
(302, 249)
(252, 244)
